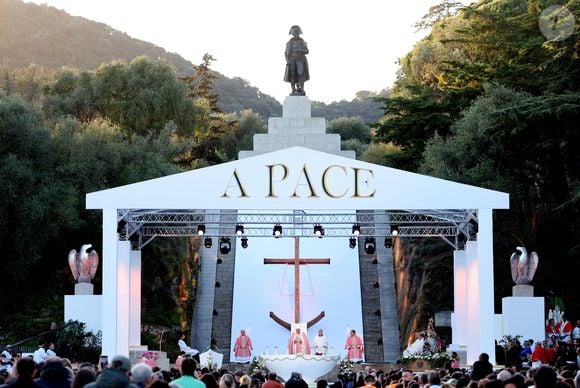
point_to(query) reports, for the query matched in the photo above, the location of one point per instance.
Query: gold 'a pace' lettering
(368, 176)
(271, 192)
(238, 183)
(304, 180)
(334, 182)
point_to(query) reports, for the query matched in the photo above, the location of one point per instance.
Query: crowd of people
(56, 372)
(481, 375)
(550, 363)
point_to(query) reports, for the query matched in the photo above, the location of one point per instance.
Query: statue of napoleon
(296, 63)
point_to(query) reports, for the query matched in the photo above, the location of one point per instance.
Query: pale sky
(354, 45)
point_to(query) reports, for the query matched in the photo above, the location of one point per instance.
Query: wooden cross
(297, 262)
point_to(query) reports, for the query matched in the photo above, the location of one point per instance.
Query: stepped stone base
(296, 128)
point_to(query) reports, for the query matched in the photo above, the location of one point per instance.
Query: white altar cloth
(309, 366)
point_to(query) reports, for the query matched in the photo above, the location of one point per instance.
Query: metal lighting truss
(142, 226)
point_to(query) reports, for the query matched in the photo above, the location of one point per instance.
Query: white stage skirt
(309, 366)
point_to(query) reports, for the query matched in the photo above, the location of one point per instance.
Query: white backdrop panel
(260, 288)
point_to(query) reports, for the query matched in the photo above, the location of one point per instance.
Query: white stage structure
(307, 181)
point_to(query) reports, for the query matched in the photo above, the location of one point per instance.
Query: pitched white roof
(297, 178)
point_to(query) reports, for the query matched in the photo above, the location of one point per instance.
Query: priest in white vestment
(320, 344)
(184, 348)
(298, 343)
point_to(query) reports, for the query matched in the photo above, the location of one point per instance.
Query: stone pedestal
(84, 289)
(523, 290)
(296, 128)
(84, 308)
(523, 316)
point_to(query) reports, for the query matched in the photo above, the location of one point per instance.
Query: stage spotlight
(356, 229)
(239, 230)
(207, 242)
(225, 245)
(388, 242)
(352, 242)
(375, 261)
(370, 245)
(121, 226)
(219, 260)
(215, 312)
(318, 231)
(244, 242)
(378, 313)
(277, 231)
(376, 285)
(394, 230)
(218, 284)
(200, 229)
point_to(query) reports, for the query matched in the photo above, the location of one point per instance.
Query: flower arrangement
(346, 366)
(435, 359)
(257, 364)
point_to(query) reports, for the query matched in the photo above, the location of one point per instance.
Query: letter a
(237, 184)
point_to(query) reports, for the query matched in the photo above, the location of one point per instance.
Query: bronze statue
(523, 266)
(296, 63)
(83, 264)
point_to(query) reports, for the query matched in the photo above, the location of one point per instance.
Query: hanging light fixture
(394, 230)
(225, 245)
(244, 242)
(388, 242)
(370, 245)
(318, 230)
(239, 230)
(200, 229)
(207, 242)
(356, 229)
(277, 231)
(352, 242)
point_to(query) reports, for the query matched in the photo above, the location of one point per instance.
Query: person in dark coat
(296, 381)
(54, 374)
(481, 368)
(25, 368)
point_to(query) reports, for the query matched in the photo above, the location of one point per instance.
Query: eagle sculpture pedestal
(523, 315)
(84, 289)
(523, 290)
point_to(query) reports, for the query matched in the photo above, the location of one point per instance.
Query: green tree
(211, 123)
(34, 205)
(410, 122)
(354, 145)
(438, 12)
(350, 128)
(521, 144)
(384, 154)
(241, 136)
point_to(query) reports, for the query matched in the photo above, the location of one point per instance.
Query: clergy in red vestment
(243, 347)
(565, 329)
(552, 329)
(354, 347)
(298, 343)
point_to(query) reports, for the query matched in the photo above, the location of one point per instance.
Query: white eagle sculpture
(523, 266)
(83, 264)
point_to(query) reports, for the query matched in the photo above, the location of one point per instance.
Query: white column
(109, 300)
(135, 300)
(123, 296)
(480, 291)
(459, 322)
